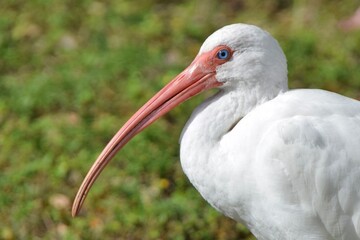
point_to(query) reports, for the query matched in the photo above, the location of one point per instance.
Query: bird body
(284, 163)
(288, 169)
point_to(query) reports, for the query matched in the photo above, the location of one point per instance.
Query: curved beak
(199, 76)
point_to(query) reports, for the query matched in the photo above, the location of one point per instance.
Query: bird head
(235, 56)
(255, 58)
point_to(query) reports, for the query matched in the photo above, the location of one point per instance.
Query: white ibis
(284, 163)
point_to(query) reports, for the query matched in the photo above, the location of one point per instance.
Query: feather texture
(285, 163)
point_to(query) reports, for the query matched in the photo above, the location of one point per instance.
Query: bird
(283, 162)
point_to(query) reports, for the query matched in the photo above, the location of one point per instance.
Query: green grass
(72, 72)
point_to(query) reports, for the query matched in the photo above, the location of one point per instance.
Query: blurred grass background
(72, 72)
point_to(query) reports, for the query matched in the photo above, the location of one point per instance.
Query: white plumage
(284, 163)
(289, 169)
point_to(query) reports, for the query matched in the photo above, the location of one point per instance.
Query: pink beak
(199, 76)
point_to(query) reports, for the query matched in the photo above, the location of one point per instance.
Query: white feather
(285, 163)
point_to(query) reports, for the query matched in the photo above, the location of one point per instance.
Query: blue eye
(223, 54)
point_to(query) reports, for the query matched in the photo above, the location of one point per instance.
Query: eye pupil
(223, 54)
